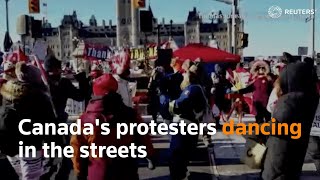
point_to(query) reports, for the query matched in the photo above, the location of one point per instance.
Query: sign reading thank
(96, 52)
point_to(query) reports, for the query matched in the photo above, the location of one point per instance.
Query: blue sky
(266, 36)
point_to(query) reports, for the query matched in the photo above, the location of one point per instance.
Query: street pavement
(199, 167)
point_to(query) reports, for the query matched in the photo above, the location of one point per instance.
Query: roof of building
(213, 27)
(70, 20)
(193, 15)
(50, 31)
(100, 31)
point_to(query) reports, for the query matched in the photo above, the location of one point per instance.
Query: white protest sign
(315, 130)
(133, 88)
(75, 108)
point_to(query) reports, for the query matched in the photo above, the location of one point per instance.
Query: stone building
(64, 38)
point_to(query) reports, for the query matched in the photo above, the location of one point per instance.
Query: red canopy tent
(206, 54)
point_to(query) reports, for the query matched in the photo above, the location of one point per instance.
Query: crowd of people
(289, 94)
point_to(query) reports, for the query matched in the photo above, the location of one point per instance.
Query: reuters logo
(275, 12)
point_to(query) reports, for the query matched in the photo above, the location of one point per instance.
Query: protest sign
(139, 53)
(75, 108)
(315, 130)
(96, 52)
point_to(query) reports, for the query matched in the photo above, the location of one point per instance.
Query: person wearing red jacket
(108, 107)
(261, 87)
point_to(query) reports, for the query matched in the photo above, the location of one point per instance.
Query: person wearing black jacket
(61, 90)
(298, 104)
(25, 98)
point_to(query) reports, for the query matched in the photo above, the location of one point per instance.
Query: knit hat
(105, 84)
(51, 63)
(28, 73)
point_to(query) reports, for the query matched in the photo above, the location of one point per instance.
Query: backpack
(9, 132)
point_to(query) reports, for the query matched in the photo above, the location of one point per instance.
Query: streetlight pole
(234, 26)
(171, 22)
(7, 14)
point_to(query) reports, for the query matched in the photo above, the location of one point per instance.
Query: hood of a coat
(296, 107)
(259, 63)
(15, 90)
(297, 77)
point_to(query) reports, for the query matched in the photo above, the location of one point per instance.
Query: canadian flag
(16, 56)
(120, 62)
(12, 58)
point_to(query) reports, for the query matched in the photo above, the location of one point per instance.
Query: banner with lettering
(96, 52)
(140, 53)
(315, 130)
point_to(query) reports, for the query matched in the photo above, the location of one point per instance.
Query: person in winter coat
(61, 89)
(107, 106)
(261, 88)
(154, 92)
(24, 98)
(170, 90)
(314, 142)
(189, 107)
(285, 156)
(220, 87)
